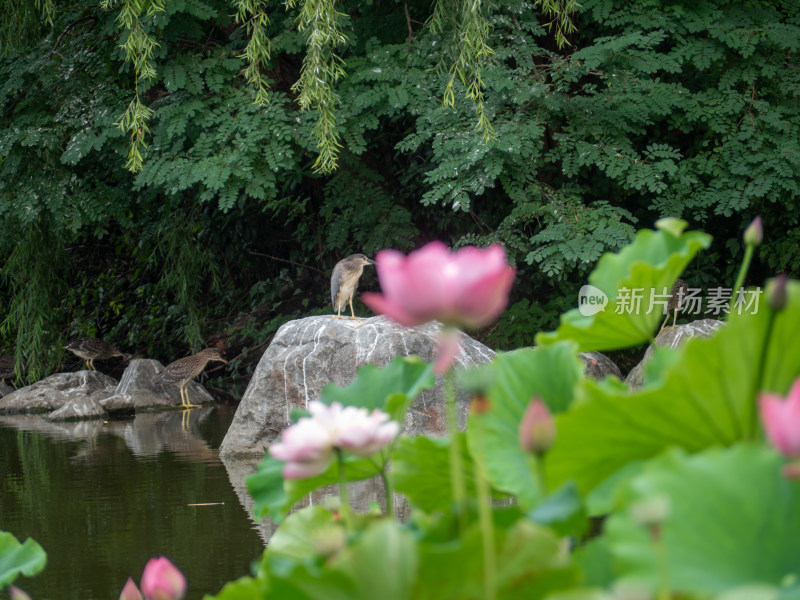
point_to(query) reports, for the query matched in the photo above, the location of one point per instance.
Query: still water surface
(102, 497)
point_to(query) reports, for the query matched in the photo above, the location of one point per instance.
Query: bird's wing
(336, 282)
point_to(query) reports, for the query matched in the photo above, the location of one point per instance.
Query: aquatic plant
(676, 477)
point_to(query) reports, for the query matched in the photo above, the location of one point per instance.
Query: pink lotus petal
(381, 305)
(467, 287)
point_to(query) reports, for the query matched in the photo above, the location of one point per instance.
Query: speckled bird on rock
(677, 300)
(183, 370)
(344, 281)
(6, 367)
(92, 349)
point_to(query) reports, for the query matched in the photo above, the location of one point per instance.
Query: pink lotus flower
(307, 447)
(468, 287)
(130, 591)
(781, 419)
(161, 580)
(537, 431)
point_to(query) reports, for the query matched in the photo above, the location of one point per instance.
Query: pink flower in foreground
(130, 591)
(307, 447)
(162, 580)
(17, 594)
(468, 287)
(781, 419)
(537, 431)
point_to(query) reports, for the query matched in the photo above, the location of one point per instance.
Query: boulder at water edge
(59, 390)
(672, 338)
(307, 354)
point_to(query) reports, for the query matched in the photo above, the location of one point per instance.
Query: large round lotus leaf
(732, 521)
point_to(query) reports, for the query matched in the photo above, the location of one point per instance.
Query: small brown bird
(344, 281)
(6, 367)
(183, 370)
(677, 299)
(92, 349)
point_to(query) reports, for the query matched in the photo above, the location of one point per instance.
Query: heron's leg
(338, 311)
(664, 323)
(674, 317)
(91, 364)
(186, 393)
(352, 312)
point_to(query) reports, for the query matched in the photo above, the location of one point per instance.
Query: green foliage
(27, 558)
(654, 110)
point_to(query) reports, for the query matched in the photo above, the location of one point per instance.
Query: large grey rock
(307, 354)
(672, 338)
(136, 390)
(598, 365)
(78, 408)
(51, 393)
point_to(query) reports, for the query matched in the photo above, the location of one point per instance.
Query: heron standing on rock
(92, 349)
(677, 299)
(183, 370)
(344, 281)
(7, 364)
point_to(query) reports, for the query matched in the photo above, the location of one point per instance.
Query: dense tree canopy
(479, 128)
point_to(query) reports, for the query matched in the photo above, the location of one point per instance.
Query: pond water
(102, 497)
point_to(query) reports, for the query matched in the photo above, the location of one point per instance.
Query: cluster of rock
(303, 357)
(91, 394)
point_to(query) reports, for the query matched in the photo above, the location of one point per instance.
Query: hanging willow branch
(468, 53)
(560, 14)
(138, 51)
(254, 15)
(322, 68)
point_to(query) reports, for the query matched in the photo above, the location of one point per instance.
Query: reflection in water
(102, 497)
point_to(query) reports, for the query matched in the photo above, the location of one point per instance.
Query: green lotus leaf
(705, 397)
(549, 373)
(27, 558)
(730, 521)
(645, 269)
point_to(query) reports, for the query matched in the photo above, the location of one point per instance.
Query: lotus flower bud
(162, 580)
(537, 431)
(17, 594)
(776, 292)
(130, 591)
(781, 419)
(754, 234)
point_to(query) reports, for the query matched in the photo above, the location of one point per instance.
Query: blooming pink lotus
(781, 419)
(468, 287)
(161, 580)
(307, 447)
